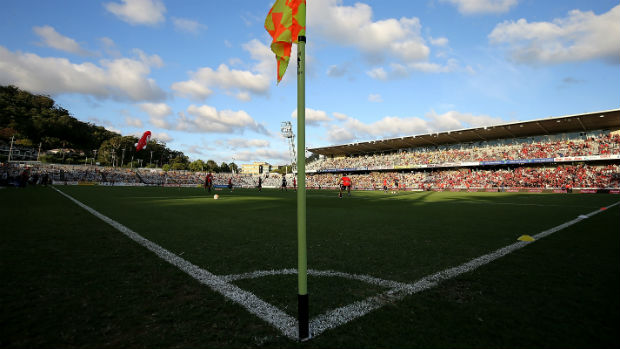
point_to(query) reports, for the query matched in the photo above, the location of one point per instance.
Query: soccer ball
(216, 196)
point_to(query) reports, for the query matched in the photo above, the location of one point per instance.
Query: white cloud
(120, 79)
(340, 116)
(194, 149)
(149, 12)
(313, 117)
(243, 96)
(378, 40)
(192, 89)
(578, 37)
(162, 137)
(262, 155)
(395, 43)
(470, 7)
(133, 122)
(454, 120)
(242, 83)
(51, 38)
(339, 134)
(188, 25)
(400, 71)
(378, 73)
(439, 41)
(151, 61)
(238, 143)
(375, 98)
(337, 70)
(205, 118)
(427, 67)
(393, 126)
(109, 47)
(158, 112)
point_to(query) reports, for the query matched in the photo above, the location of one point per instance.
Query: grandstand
(558, 153)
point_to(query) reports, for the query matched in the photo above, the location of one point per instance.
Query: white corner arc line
(329, 273)
(267, 312)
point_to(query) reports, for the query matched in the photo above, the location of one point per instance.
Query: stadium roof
(601, 120)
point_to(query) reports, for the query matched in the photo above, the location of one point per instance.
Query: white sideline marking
(352, 311)
(285, 323)
(269, 313)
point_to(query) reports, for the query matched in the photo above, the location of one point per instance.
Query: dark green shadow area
(70, 280)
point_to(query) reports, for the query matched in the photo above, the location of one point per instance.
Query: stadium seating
(453, 167)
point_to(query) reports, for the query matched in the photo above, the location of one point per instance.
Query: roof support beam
(581, 123)
(508, 130)
(478, 134)
(428, 140)
(541, 126)
(448, 135)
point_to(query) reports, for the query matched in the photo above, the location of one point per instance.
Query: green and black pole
(302, 260)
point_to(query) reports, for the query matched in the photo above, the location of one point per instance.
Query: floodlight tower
(287, 132)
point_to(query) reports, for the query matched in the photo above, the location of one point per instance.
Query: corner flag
(286, 23)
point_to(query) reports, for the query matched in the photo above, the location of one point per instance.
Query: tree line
(34, 121)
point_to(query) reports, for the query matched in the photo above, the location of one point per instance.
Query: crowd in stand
(584, 175)
(580, 176)
(599, 145)
(559, 176)
(113, 176)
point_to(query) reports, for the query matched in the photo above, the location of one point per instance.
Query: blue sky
(200, 76)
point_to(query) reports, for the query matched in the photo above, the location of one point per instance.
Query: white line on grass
(364, 278)
(352, 311)
(269, 313)
(333, 318)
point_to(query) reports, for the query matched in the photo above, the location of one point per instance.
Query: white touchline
(272, 315)
(285, 323)
(352, 311)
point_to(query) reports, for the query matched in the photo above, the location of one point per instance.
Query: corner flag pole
(302, 261)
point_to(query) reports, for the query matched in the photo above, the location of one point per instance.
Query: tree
(35, 119)
(197, 166)
(110, 151)
(284, 169)
(179, 166)
(212, 166)
(224, 168)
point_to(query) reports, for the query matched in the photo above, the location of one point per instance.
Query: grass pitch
(70, 280)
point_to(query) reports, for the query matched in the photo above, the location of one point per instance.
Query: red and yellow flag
(285, 22)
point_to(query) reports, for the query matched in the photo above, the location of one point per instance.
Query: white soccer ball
(216, 196)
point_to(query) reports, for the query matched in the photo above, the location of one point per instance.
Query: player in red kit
(345, 184)
(209, 181)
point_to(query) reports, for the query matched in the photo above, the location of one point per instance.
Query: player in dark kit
(283, 183)
(209, 181)
(260, 184)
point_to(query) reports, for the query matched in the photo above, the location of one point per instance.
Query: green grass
(70, 280)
